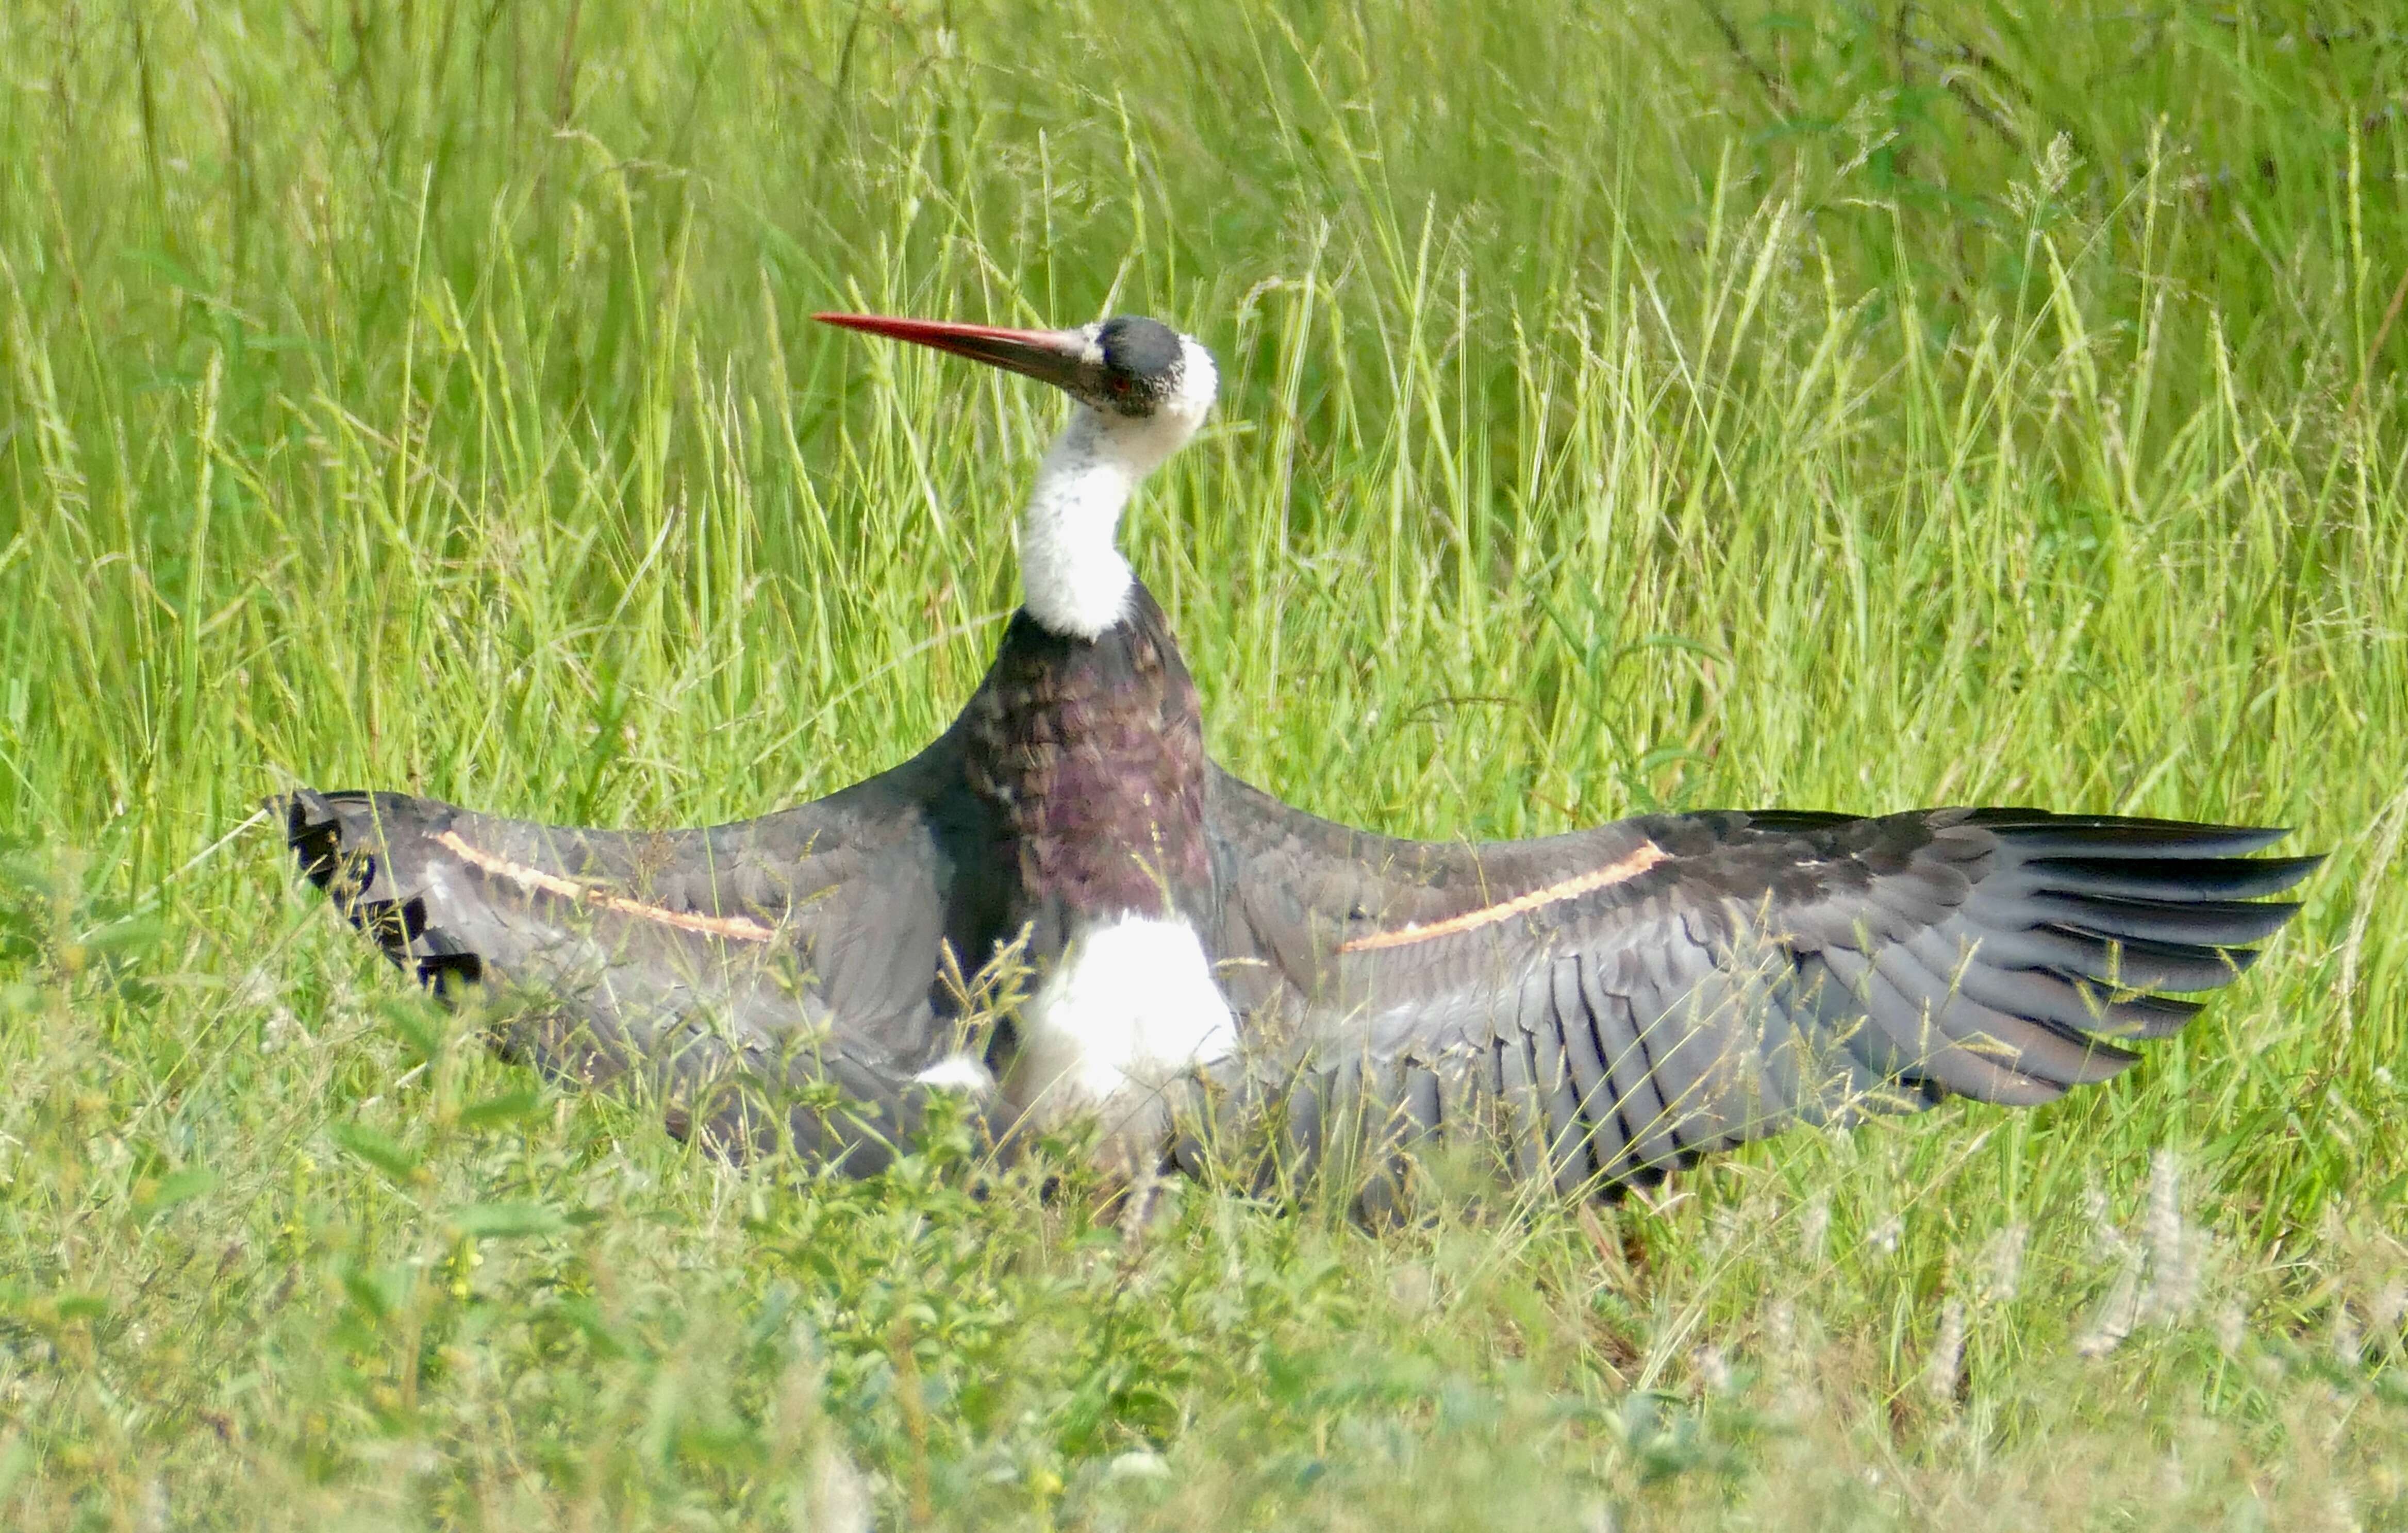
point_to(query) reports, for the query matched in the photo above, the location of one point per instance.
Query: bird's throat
(1075, 580)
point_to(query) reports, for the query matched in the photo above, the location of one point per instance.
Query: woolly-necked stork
(1620, 1000)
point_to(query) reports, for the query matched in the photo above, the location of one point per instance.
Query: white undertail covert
(1130, 1007)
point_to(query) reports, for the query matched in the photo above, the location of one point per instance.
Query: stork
(1620, 1000)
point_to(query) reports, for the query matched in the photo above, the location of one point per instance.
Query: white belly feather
(1131, 1006)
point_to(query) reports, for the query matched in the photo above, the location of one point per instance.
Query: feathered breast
(1093, 752)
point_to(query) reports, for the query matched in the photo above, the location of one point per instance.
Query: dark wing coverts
(1629, 997)
(800, 947)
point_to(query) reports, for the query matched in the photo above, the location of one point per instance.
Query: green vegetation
(1625, 405)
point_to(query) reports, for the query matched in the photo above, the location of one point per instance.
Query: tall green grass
(1854, 408)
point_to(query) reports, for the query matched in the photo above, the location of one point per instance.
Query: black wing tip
(2131, 908)
(2118, 875)
(300, 809)
(2143, 1018)
(2122, 836)
(2182, 901)
(325, 839)
(308, 812)
(2292, 871)
(2195, 927)
(2044, 834)
(315, 832)
(354, 815)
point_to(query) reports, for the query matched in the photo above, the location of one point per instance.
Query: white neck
(1077, 583)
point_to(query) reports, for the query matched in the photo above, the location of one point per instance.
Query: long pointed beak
(1050, 356)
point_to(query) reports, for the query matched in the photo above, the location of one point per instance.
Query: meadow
(1625, 407)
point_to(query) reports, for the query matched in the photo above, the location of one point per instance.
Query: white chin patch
(1131, 1007)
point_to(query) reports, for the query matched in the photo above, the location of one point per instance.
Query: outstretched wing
(1629, 998)
(796, 956)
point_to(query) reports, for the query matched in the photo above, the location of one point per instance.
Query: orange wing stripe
(1647, 855)
(738, 928)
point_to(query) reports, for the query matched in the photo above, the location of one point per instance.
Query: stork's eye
(1120, 384)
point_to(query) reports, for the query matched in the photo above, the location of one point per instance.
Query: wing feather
(1525, 1115)
(2040, 1048)
(727, 966)
(1655, 989)
(1638, 1101)
(1609, 1135)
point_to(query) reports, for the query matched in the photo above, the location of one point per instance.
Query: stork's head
(1148, 386)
